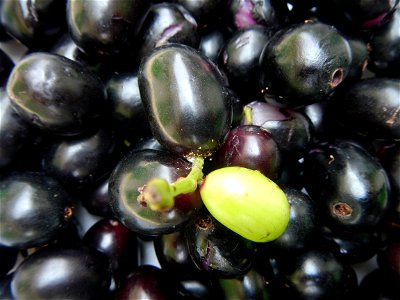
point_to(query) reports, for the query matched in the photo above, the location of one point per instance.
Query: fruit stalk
(159, 195)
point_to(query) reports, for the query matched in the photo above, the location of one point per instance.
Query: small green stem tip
(160, 195)
(248, 117)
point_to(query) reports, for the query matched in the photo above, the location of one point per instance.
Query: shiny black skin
(316, 114)
(66, 47)
(14, 132)
(368, 108)
(270, 13)
(34, 209)
(148, 282)
(127, 110)
(317, 274)
(56, 94)
(117, 242)
(6, 65)
(356, 16)
(303, 224)
(349, 186)
(105, 28)
(135, 170)
(251, 286)
(360, 58)
(62, 273)
(212, 43)
(97, 201)
(204, 11)
(167, 23)
(240, 57)
(303, 63)
(35, 24)
(148, 142)
(8, 258)
(183, 93)
(216, 249)
(83, 161)
(355, 248)
(198, 286)
(173, 255)
(385, 48)
(290, 129)
(251, 147)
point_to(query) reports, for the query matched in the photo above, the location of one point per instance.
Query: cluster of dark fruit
(112, 94)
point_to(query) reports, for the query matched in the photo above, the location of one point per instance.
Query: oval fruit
(246, 202)
(303, 63)
(56, 94)
(183, 94)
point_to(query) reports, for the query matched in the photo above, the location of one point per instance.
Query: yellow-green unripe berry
(246, 202)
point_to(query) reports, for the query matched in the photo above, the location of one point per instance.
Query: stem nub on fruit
(159, 195)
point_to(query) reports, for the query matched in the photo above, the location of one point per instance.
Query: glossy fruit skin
(303, 223)
(127, 110)
(56, 94)
(117, 243)
(216, 249)
(81, 162)
(349, 186)
(105, 28)
(290, 129)
(170, 76)
(317, 274)
(172, 253)
(250, 286)
(36, 24)
(355, 248)
(34, 209)
(368, 108)
(147, 282)
(199, 286)
(357, 16)
(385, 49)
(97, 201)
(212, 43)
(360, 58)
(14, 132)
(303, 63)
(263, 206)
(66, 47)
(251, 147)
(269, 13)
(204, 11)
(239, 59)
(135, 170)
(62, 273)
(167, 23)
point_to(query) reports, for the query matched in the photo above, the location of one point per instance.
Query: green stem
(159, 195)
(248, 117)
